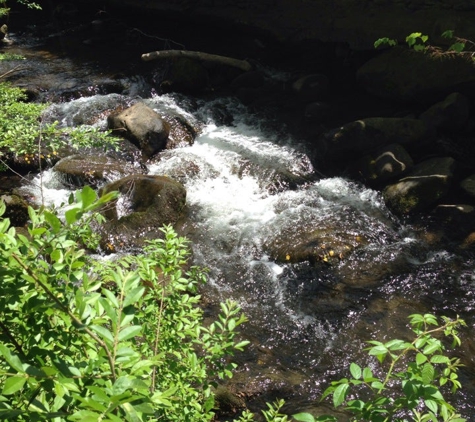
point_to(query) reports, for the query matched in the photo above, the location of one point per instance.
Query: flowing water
(253, 187)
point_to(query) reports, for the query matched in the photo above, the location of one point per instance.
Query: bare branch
(227, 61)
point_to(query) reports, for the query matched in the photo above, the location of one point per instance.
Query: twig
(17, 68)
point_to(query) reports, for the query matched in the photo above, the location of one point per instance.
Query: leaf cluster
(419, 42)
(87, 340)
(412, 386)
(23, 131)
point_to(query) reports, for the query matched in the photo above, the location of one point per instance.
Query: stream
(307, 321)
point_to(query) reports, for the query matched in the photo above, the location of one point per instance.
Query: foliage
(6, 56)
(272, 414)
(419, 42)
(82, 340)
(24, 133)
(411, 388)
(5, 10)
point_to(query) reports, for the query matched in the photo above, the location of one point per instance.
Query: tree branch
(197, 55)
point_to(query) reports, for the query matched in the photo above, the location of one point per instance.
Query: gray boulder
(422, 187)
(144, 205)
(143, 126)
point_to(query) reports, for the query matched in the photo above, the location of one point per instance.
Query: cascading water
(251, 192)
(250, 187)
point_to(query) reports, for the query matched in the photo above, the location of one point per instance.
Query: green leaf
(134, 295)
(72, 215)
(355, 371)
(53, 221)
(432, 347)
(420, 358)
(439, 359)
(13, 360)
(428, 373)
(121, 385)
(339, 394)
(449, 33)
(367, 374)
(13, 384)
(129, 332)
(304, 417)
(458, 47)
(103, 332)
(432, 405)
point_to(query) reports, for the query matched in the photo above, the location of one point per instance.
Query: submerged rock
(144, 205)
(426, 184)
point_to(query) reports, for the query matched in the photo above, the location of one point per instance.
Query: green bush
(23, 133)
(86, 340)
(412, 382)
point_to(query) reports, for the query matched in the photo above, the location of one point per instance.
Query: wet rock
(185, 75)
(311, 87)
(408, 75)
(318, 112)
(385, 164)
(354, 139)
(3, 31)
(92, 170)
(16, 209)
(182, 133)
(144, 205)
(468, 185)
(456, 222)
(451, 114)
(143, 126)
(251, 79)
(30, 163)
(326, 244)
(422, 187)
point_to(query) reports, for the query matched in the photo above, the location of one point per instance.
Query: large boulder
(422, 187)
(407, 75)
(141, 125)
(144, 205)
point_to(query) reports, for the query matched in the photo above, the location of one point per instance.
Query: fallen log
(196, 55)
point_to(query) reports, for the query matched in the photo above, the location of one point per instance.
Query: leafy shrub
(411, 387)
(87, 340)
(23, 132)
(418, 42)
